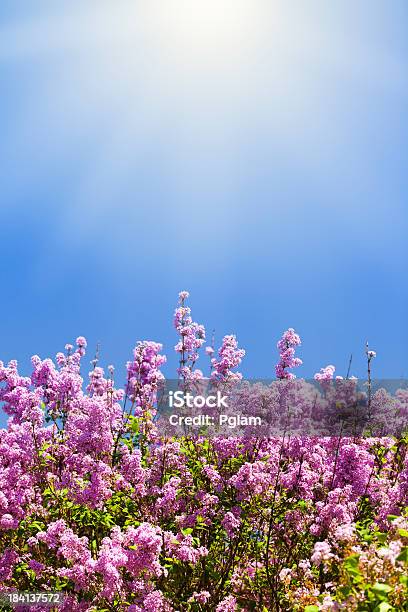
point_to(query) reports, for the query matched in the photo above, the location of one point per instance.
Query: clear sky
(252, 152)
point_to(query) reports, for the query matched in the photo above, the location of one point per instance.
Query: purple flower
(229, 604)
(229, 358)
(287, 360)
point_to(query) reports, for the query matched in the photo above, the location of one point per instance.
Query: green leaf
(311, 609)
(383, 607)
(351, 565)
(345, 590)
(403, 556)
(380, 587)
(381, 537)
(187, 531)
(403, 533)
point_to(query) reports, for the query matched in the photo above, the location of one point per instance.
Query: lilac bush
(96, 504)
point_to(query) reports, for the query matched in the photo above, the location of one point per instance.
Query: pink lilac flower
(144, 375)
(183, 295)
(287, 360)
(8, 560)
(229, 604)
(285, 575)
(202, 597)
(68, 448)
(229, 358)
(8, 522)
(321, 552)
(155, 602)
(192, 337)
(230, 523)
(81, 344)
(36, 566)
(326, 374)
(344, 533)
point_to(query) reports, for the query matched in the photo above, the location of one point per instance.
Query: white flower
(285, 575)
(321, 552)
(344, 533)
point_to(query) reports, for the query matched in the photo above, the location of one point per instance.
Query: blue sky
(251, 152)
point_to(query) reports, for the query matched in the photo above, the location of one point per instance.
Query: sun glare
(196, 81)
(205, 27)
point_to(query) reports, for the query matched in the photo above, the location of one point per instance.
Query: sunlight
(192, 83)
(206, 28)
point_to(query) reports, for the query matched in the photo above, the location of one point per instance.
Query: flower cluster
(95, 504)
(287, 360)
(192, 338)
(229, 357)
